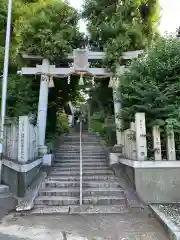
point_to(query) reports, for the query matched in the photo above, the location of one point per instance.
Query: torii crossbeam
(81, 66)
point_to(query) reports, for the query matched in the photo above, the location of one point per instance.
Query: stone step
(77, 168)
(66, 164)
(85, 151)
(77, 164)
(85, 178)
(60, 184)
(72, 192)
(77, 156)
(67, 200)
(76, 209)
(84, 142)
(97, 192)
(104, 200)
(86, 184)
(83, 136)
(85, 161)
(85, 154)
(75, 192)
(99, 209)
(89, 156)
(56, 200)
(76, 173)
(70, 146)
(85, 158)
(66, 150)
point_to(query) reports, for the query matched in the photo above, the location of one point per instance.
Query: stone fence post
(157, 143)
(171, 151)
(141, 143)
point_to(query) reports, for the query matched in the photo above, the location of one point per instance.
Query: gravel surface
(172, 212)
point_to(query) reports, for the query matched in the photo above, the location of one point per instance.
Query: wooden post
(141, 144)
(157, 143)
(171, 151)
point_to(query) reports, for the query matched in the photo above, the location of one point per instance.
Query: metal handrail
(81, 202)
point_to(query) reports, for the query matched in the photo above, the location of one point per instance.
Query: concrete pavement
(127, 226)
(7, 204)
(81, 227)
(7, 237)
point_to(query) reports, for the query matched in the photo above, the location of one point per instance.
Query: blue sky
(170, 14)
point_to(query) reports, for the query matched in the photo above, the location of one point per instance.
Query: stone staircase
(100, 187)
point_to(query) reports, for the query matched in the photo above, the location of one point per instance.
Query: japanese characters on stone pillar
(117, 109)
(42, 107)
(129, 143)
(157, 143)
(171, 151)
(23, 139)
(133, 141)
(141, 144)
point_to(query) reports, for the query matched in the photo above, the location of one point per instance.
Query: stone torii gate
(81, 60)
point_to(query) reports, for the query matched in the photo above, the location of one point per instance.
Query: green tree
(3, 16)
(48, 28)
(152, 85)
(119, 26)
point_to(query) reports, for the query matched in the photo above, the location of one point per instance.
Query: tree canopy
(152, 85)
(117, 26)
(47, 28)
(40, 27)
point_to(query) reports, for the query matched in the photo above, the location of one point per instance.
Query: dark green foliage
(48, 28)
(118, 26)
(152, 85)
(101, 99)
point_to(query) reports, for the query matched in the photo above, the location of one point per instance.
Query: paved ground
(7, 204)
(77, 227)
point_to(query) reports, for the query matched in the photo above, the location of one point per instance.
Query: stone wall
(155, 184)
(19, 177)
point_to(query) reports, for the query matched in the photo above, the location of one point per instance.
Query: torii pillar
(42, 107)
(117, 111)
(115, 85)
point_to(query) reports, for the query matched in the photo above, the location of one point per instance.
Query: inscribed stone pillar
(42, 108)
(23, 141)
(157, 143)
(141, 143)
(171, 150)
(117, 112)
